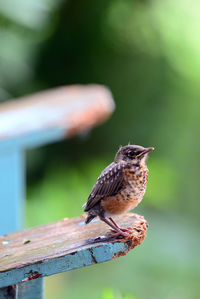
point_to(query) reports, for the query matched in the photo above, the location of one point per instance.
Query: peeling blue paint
(83, 257)
(81, 223)
(108, 251)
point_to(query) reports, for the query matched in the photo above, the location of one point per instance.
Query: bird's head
(133, 154)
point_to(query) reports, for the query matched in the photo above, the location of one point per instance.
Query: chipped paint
(82, 258)
(5, 242)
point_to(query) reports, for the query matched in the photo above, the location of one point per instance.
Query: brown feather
(109, 183)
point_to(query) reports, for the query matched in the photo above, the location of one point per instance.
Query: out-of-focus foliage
(148, 53)
(23, 26)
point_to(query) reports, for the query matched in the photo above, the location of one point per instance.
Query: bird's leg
(127, 230)
(123, 229)
(116, 229)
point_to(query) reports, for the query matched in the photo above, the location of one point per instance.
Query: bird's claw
(124, 232)
(118, 234)
(128, 229)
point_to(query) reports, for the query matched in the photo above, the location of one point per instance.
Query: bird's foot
(119, 234)
(128, 230)
(128, 233)
(124, 232)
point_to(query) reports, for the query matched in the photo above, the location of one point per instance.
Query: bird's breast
(135, 182)
(134, 187)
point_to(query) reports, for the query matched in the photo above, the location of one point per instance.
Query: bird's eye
(131, 154)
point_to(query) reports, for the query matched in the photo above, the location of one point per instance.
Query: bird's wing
(108, 184)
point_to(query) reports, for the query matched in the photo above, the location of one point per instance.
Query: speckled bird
(120, 187)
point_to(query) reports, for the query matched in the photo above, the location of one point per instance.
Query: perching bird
(120, 187)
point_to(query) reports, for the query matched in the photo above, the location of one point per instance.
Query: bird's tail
(89, 218)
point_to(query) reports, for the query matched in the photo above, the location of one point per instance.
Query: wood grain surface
(63, 246)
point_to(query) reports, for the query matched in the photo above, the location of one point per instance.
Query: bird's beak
(149, 149)
(146, 150)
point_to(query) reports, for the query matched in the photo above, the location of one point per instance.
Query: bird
(120, 187)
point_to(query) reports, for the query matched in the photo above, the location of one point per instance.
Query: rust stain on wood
(137, 237)
(32, 275)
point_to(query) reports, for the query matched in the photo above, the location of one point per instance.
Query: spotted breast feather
(109, 183)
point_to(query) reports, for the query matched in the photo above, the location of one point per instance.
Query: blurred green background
(148, 54)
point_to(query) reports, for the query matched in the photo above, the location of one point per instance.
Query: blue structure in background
(12, 175)
(12, 191)
(35, 121)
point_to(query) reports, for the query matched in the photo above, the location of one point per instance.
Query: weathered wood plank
(62, 246)
(53, 115)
